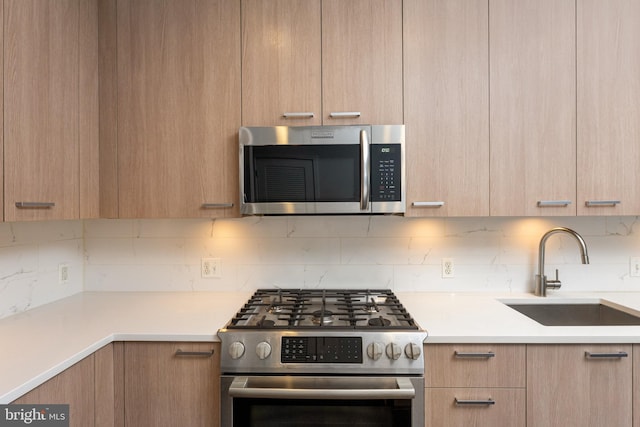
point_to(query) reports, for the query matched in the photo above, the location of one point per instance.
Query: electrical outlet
(63, 274)
(211, 267)
(447, 268)
(634, 266)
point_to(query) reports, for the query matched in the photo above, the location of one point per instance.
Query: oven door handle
(336, 388)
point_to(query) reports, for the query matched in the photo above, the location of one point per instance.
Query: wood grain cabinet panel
(162, 388)
(475, 384)
(178, 95)
(565, 388)
(446, 106)
(87, 387)
(464, 407)
(608, 40)
(50, 109)
(636, 385)
(362, 61)
(281, 62)
(533, 107)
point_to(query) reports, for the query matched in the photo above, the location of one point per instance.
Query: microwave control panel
(386, 172)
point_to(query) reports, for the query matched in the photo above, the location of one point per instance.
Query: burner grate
(323, 308)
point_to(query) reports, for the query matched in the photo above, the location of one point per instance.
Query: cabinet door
(533, 112)
(164, 388)
(41, 109)
(636, 385)
(75, 387)
(178, 65)
(475, 407)
(362, 61)
(446, 105)
(608, 106)
(565, 388)
(281, 66)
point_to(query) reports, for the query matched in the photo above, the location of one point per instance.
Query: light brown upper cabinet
(362, 62)
(446, 105)
(608, 107)
(281, 65)
(532, 107)
(50, 109)
(312, 62)
(178, 107)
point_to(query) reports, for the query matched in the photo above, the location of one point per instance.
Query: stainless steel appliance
(322, 170)
(313, 357)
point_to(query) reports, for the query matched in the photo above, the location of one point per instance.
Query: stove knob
(263, 350)
(236, 350)
(412, 351)
(393, 351)
(374, 350)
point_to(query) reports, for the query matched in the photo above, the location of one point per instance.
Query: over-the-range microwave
(357, 169)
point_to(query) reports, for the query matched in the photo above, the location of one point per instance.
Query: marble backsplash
(404, 254)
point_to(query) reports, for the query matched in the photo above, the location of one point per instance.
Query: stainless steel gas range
(315, 357)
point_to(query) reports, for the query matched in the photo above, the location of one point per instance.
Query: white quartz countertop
(40, 343)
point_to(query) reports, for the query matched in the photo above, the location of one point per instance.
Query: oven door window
(258, 412)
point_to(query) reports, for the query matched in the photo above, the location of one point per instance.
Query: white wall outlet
(447, 268)
(211, 268)
(63, 274)
(634, 266)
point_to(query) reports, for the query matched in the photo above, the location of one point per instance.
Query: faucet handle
(554, 284)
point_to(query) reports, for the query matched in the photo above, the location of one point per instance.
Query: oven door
(322, 401)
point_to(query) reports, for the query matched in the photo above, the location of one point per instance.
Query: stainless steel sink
(582, 314)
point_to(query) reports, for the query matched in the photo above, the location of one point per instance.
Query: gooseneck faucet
(542, 284)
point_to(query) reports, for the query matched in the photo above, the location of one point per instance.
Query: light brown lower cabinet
(475, 385)
(636, 386)
(171, 384)
(580, 385)
(87, 387)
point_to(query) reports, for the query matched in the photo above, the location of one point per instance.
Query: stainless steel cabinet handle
(553, 203)
(474, 355)
(216, 205)
(343, 114)
(194, 353)
(305, 115)
(364, 167)
(617, 355)
(34, 205)
(597, 203)
(427, 204)
(473, 402)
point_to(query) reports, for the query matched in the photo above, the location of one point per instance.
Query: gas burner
(379, 321)
(265, 323)
(370, 307)
(322, 317)
(275, 308)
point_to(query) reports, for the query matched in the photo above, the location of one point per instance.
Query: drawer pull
(344, 114)
(216, 205)
(305, 115)
(474, 402)
(553, 203)
(617, 355)
(597, 203)
(34, 205)
(427, 204)
(209, 353)
(463, 355)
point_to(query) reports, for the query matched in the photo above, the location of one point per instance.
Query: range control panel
(386, 172)
(321, 350)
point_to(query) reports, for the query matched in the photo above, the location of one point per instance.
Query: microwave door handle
(365, 167)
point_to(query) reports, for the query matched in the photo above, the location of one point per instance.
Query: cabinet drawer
(466, 407)
(474, 365)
